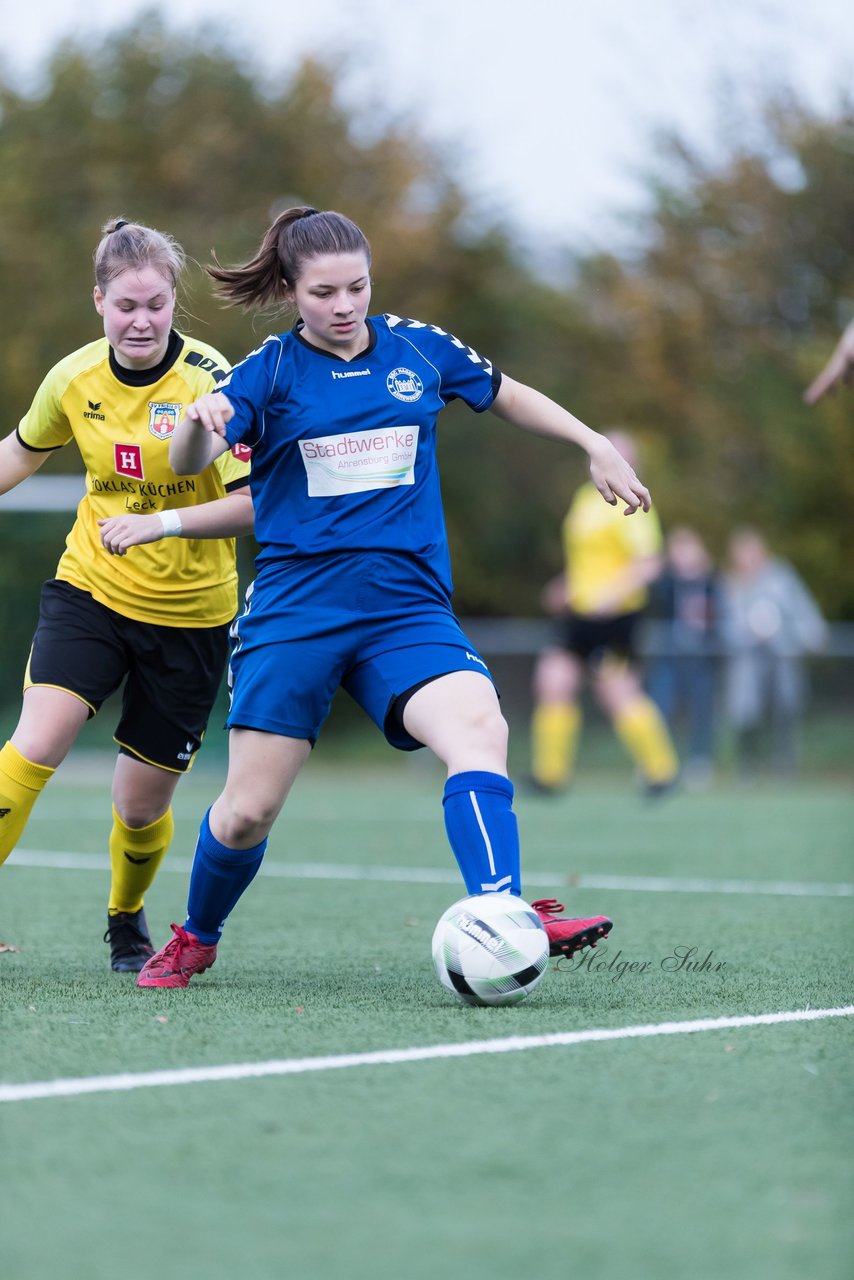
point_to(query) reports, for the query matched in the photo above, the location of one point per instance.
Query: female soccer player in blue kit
(353, 578)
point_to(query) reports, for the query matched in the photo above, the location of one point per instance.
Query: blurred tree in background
(701, 344)
(746, 280)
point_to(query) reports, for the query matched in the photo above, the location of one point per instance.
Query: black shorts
(172, 674)
(595, 639)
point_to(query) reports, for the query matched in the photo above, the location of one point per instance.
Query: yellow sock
(641, 729)
(555, 728)
(21, 783)
(135, 855)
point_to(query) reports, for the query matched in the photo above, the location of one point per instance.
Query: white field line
(73, 1088)
(66, 861)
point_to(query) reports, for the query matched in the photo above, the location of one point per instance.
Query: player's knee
(241, 817)
(556, 677)
(37, 745)
(488, 728)
(136, 814)
(616, 689)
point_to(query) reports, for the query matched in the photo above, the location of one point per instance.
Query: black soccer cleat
(130, 941)
(658, 790)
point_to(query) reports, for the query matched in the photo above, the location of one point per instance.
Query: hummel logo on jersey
(93, 411)
(351, 373)
(137, 862)
(472, 657)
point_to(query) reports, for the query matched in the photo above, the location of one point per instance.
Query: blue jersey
(344, 452)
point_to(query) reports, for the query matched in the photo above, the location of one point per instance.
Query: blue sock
(482, 830)
(218, 878)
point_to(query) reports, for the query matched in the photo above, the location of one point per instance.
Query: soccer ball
(490, 949)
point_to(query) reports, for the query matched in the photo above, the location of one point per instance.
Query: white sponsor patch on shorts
(358, 460)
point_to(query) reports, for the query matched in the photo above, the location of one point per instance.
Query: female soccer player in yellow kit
(600, 597)
(147, 586)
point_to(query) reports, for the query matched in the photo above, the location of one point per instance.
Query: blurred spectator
(839, 368)
(609, 563)
(770, 622)
(686, 599)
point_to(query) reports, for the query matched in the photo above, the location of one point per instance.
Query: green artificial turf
(723, 1152)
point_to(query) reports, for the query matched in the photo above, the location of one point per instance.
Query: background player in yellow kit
(147, 586)
(609, 565)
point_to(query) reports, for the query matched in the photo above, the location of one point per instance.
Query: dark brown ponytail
(296, 235)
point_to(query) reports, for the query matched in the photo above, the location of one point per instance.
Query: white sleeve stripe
(270, 392)
(422, 356)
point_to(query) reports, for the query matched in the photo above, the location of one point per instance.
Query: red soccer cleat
(175, 964)
(568, 934)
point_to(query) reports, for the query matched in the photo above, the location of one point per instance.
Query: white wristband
(171, 521)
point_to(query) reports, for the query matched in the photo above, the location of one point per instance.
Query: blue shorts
(377, 625)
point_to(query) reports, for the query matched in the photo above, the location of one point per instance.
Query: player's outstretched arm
(16, 462)
(228, 517)
(613, 477)
(199, 437)
(839, 368)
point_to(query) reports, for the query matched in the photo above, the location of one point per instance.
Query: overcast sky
(550, 104)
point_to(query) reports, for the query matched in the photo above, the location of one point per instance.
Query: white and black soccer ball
(490, 949)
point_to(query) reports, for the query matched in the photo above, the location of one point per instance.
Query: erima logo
(92, 411)
(187, 753)
(137, 862)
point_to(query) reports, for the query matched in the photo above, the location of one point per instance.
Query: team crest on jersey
(163, 418)
(128, 459)
(405, 385)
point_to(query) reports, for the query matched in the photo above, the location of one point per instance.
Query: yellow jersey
(122, 421)
(599, 543)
